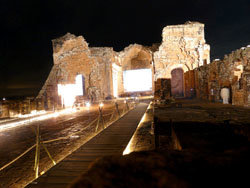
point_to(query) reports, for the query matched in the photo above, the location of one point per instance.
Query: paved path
(112, 140)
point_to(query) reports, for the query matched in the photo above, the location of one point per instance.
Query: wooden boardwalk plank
(110, 141)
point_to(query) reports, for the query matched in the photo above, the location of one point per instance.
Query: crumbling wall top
(68, 45)
(58, 42)
(186, 24)
(102, 51)
(191, 30)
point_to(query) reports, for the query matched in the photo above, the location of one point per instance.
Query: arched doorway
(177, 89)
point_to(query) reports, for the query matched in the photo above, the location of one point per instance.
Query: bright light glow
(137, 80)
(88, 104)
(55, 115)
(32, 113)
(129, 147)
(68, 92)
(4, 99)
(101, 104)
(36, 118)
(42, 172)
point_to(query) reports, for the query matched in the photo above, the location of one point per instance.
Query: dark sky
(27, 28)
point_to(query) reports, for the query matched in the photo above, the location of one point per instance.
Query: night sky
(27, 28)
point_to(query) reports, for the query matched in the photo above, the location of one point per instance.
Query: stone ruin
(183, 46)
(100, 67)
(180, 67)
(233, 72)
(182, 61)
(72, 57)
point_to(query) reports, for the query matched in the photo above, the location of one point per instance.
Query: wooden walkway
(113, 140)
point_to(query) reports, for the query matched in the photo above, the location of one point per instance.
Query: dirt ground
(15, 141)
(237, 117)
(183, 111)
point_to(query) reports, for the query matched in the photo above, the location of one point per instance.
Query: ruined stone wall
(213, 81)
(183, 46)
(17, 107)
(105, 58)
(72, 56)
(232, 72)
(162, 89)
(202, 82)
(238, 75)
(4, 110)
(189, 83)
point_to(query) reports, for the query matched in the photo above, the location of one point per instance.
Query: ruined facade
(179, 67)
(183, 48)
(102, 69)
(73, 57)
(183, 56)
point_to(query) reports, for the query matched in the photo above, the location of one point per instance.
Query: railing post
(112, 116)
(117, 109)
(97, 124)
(124, 108)
(127, 105)
(37, 155)
(101, 116)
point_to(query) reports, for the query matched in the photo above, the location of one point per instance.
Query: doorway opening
(177, 88)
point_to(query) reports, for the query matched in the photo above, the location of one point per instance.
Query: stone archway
(177, 88)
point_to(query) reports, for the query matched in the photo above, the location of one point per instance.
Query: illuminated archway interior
(137, 80)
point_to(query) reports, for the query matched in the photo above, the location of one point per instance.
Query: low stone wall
(232, 72)
(162, 89)
(14, 108)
